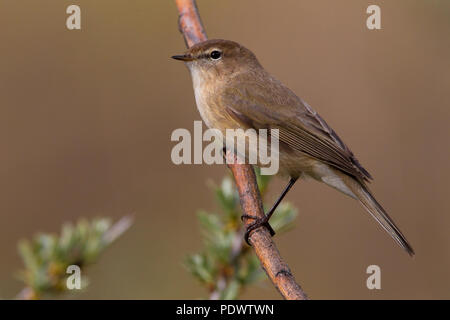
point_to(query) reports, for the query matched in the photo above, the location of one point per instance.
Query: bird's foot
(259, 222)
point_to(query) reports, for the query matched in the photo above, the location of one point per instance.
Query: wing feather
(301, 127)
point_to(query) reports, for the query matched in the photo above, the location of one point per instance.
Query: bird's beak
(183, 57)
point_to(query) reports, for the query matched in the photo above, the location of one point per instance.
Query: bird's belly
(296, 165)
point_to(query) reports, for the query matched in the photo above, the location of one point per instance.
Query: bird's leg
(265, 221)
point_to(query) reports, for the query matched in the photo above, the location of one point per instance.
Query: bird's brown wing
(254, 105)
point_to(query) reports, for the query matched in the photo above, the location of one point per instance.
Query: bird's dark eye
(215, 54)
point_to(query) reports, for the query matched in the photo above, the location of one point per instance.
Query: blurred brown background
(86, 118)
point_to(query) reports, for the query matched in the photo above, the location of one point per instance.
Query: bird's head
(218, 59)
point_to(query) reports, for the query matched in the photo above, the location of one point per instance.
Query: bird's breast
(208, 103)
(202, 92)
(204, 108)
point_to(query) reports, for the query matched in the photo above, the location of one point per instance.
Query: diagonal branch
(278, 271)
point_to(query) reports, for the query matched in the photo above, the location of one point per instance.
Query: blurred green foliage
(226, 265)
(47, 256)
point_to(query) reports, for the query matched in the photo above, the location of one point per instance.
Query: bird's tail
(369, 202)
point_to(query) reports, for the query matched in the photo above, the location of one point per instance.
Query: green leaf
(231, 291)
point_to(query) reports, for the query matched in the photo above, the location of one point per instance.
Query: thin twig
(117, 229)
(26, 294)
(278, 271)
(236, 250)
(260, 239)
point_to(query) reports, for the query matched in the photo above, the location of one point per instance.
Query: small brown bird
(233, 91)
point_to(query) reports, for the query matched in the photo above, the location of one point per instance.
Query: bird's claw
(259, 222)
